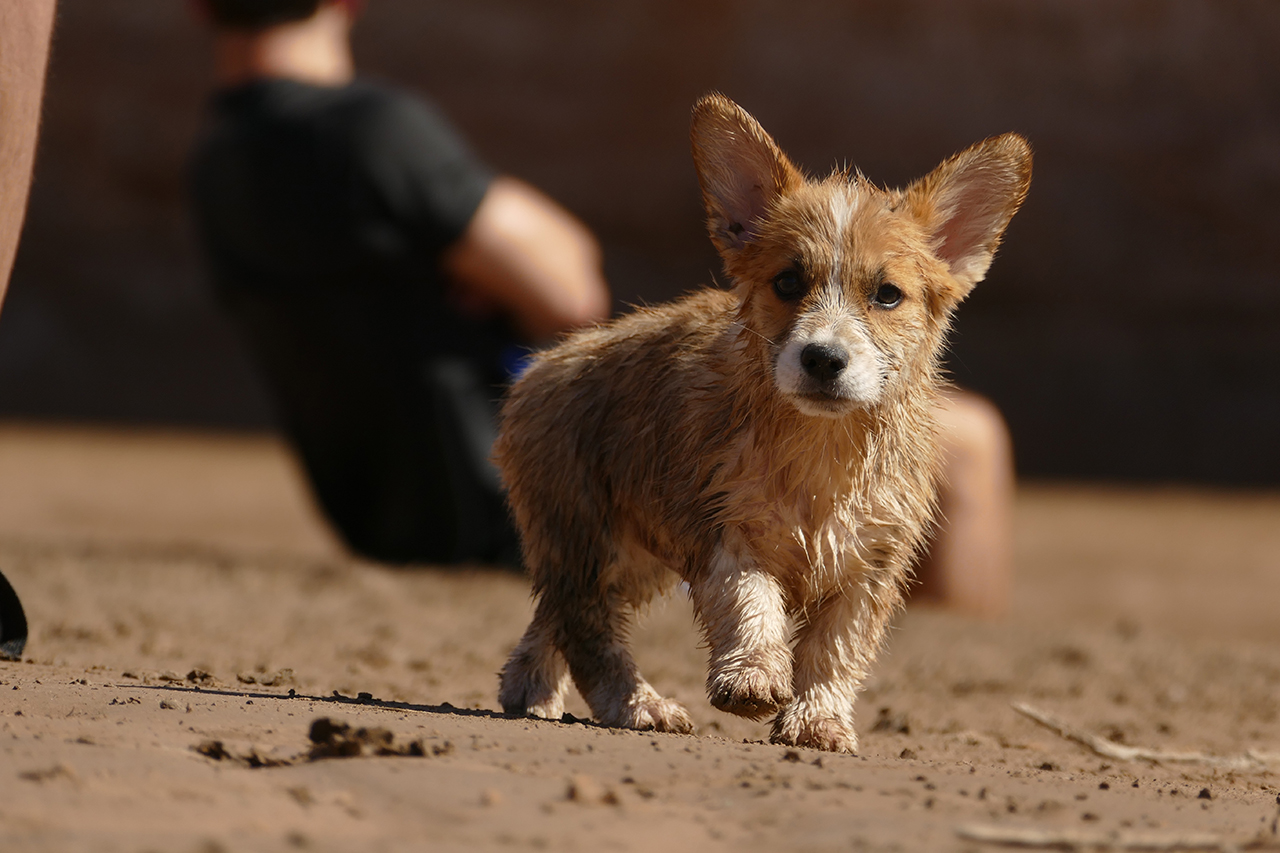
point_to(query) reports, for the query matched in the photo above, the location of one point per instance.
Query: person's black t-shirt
(300, 188)
(324, 212)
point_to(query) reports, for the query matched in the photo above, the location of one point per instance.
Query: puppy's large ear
(740, 168)
(966, 203)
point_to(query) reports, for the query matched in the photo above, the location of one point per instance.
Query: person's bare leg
(969, 565)
(25, 27)
(24, 53)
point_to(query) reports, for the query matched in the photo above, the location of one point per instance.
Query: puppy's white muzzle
(830, 371)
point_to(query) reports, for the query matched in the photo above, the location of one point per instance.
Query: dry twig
(1066, 839)
(1251, 760)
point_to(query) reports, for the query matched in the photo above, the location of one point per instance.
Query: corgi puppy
(771, 444)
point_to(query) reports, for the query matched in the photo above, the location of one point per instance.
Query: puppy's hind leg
(586, 594)
(535, 678)
(593, 640)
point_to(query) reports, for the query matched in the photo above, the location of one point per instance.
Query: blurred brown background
(1129, 330)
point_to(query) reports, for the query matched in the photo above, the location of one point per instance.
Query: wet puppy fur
(771, 444)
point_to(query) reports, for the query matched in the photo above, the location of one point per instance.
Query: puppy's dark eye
(789, 284)
(887, 296)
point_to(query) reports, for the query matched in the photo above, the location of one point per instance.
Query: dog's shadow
(366, 700)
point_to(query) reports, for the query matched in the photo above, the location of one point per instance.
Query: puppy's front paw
(751, 689)
(831, 733)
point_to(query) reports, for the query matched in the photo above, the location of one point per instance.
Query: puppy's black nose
(823, 362)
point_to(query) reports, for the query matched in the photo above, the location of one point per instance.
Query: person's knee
(973, 435)
(968, 565)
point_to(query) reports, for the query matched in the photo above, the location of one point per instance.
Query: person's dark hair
(258, 14)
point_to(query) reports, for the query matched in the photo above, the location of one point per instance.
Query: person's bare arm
(532, 259)
(25, 28)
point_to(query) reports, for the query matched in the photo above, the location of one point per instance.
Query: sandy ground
(191, 619)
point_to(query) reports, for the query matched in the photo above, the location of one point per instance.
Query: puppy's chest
(811, 523)
(824, 543)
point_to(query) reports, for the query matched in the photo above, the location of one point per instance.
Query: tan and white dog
(772, 445)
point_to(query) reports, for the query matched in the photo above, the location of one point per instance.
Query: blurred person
(25, 29)
(382, 276)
